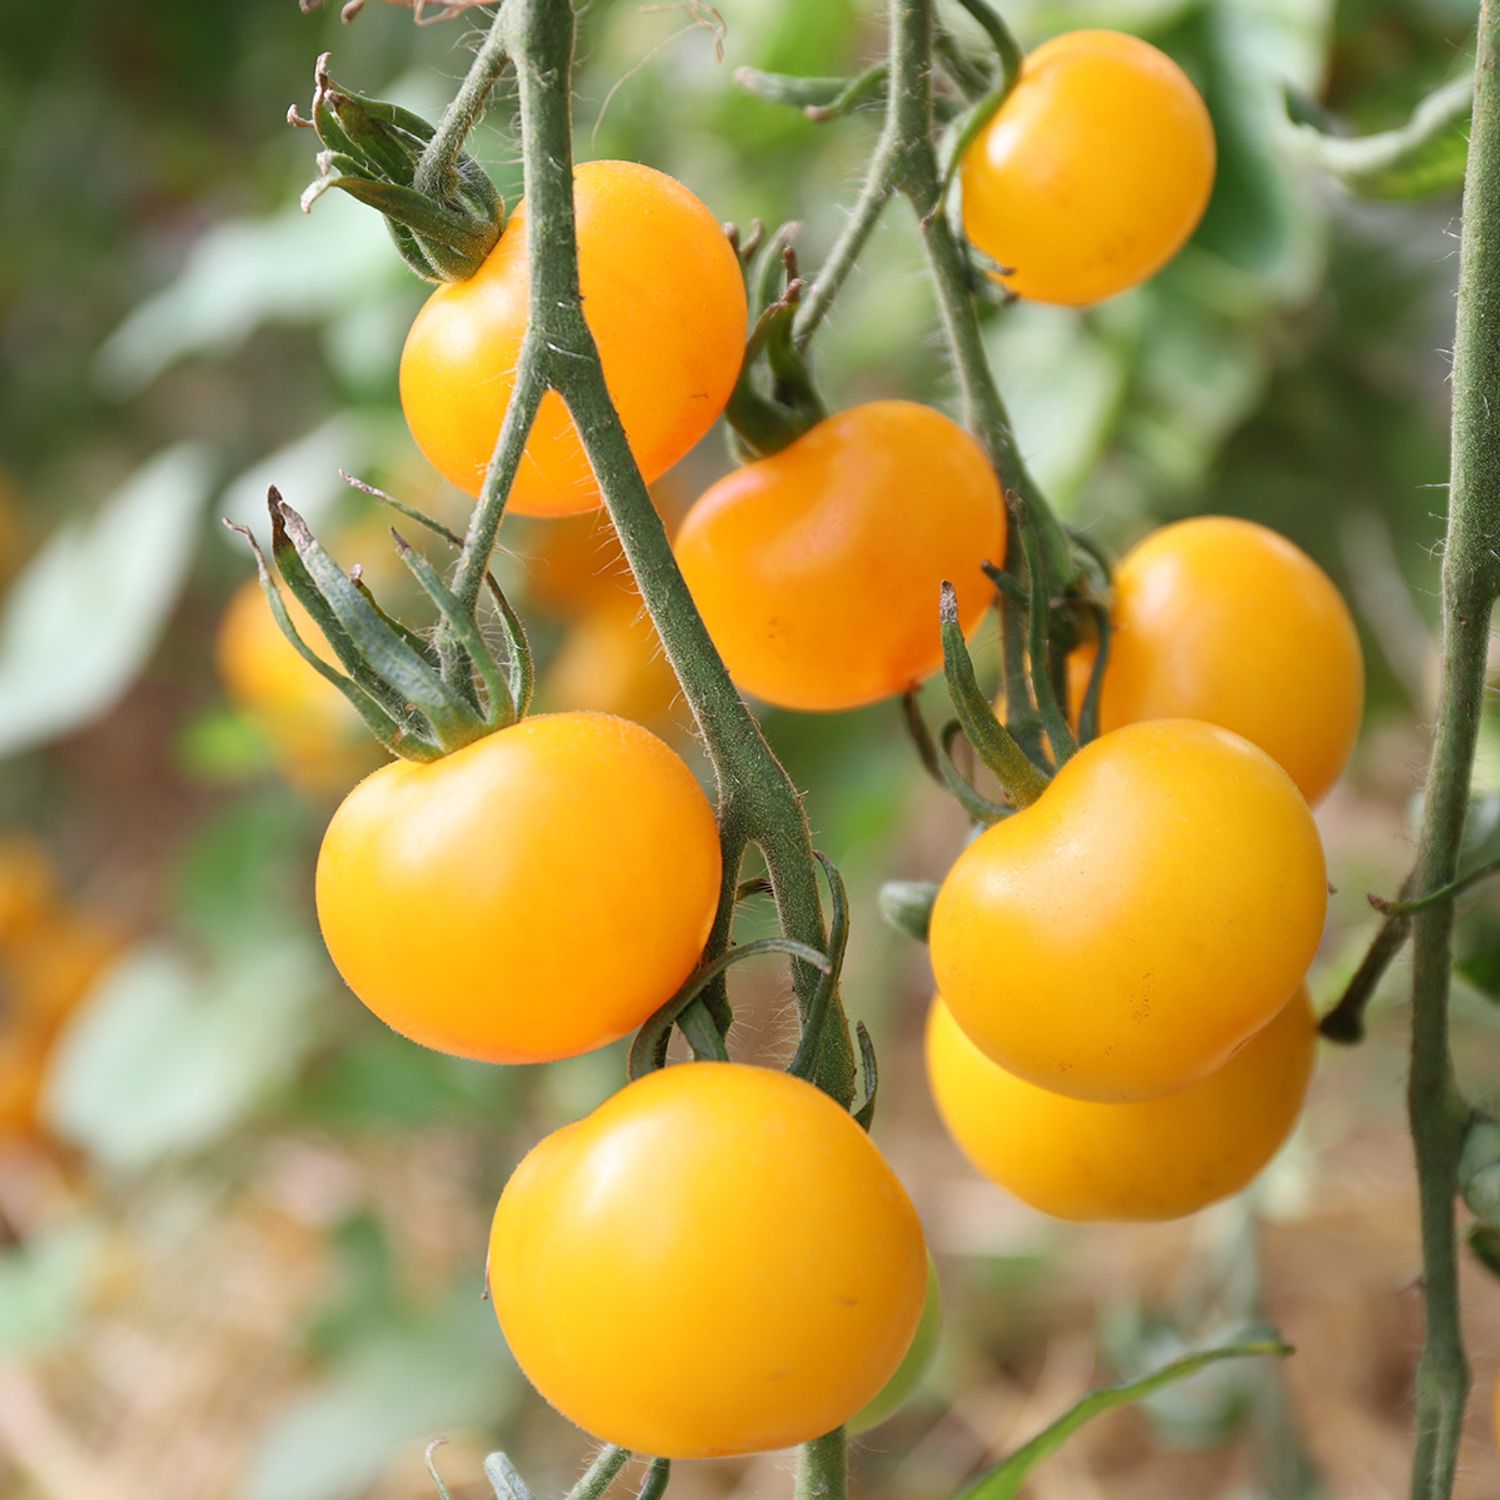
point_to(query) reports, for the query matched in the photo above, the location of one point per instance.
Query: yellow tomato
(716, 1261)
(1152, 910)
(1151, 1159)
(898, 1390)
(665, 300)
(1093, 173)
(535, 895)
(1226, 621)
(317, 734)
(818, 570)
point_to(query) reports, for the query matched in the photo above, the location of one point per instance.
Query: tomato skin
(818, 569)
(915, 1363)
(1153, 909)
(716, 1261)
(535, 895)
(665, 299)
(1151, 1159)
(1227, 621)
(1093, 173)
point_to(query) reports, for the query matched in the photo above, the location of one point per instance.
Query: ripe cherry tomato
(1226, 621)
(1152, 1159)
(532, 896)
(1152, 910)
(1093, 173)
(716, 1261)
(818, 570)
(897, 1391)
(665, 299)
(319, 740)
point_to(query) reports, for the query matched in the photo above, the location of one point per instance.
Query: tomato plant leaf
(1004, 1480)
(1424, 155)
(80, 622)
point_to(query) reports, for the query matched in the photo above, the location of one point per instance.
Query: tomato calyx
(769, 412)
(379, 153)
(421, 698)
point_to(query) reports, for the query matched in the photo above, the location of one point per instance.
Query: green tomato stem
(823, 1468)
(1470, 583)
(758, 804)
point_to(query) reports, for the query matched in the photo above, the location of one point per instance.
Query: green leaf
(1419, 158)
(1004, 1481)
(165, 1059)
(44, 1286)
(441, 1372)
(80, 622)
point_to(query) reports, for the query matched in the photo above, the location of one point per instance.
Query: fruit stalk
(823, 1468)
(757, 801)
(1470, 584)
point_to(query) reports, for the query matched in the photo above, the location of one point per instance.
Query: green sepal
(864, 1116)
(995, 745)
(381, 652)
(397, 736)
(806, 1063)
(522, 670)
(763, 423)
(500, 707)
(375, 151)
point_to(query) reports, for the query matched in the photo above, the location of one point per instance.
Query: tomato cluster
(1114, 1037)
(718, 1260)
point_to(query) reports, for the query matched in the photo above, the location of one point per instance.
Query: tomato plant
(817, 569)
(665, 300)
(716, 1261)
(1153, 909)
(1093, 172)
(1151, 1159)
(532, 896)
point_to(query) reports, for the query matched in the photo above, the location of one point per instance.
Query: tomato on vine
(1153, 909)
(1227, 621)
(1151, 1159)
(1093, 173)
(818, 569)
(532, 896)
(665, 299)
(716, 1261)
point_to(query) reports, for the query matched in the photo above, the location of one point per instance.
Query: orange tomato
(1151, 911)
(818, 570)
(665, 299)
(1226, 621)
(1093, 173)
(535, 895)
(716, 1261)
(1152, 1159)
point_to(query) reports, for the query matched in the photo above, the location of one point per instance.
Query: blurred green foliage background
(242, 1226)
